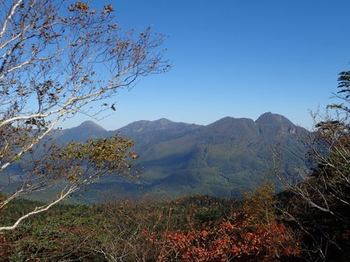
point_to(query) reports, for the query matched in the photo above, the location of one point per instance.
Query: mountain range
(225, 158)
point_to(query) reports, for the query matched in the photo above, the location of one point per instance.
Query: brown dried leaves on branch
(77, 162)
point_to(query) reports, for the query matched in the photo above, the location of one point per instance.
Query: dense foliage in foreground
(190, 229)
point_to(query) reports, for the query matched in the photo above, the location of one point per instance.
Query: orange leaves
(226, 226)
(204, 234)
(229, 240)
(81, 6)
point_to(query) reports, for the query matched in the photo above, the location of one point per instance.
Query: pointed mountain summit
(90, 126)
(269, 118)
(274, 125)
(83, 132)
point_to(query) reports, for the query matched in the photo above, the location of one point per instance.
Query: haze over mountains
(224, 158)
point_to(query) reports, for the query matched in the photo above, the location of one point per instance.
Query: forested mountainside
(225, 158)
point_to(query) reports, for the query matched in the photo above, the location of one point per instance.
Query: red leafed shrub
(238, 240)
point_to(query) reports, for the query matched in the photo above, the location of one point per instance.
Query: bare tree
(56, 59)
(320, 204)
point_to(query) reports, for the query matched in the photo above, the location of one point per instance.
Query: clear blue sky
(237, 58)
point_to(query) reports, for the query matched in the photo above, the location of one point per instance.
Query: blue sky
(236, 58)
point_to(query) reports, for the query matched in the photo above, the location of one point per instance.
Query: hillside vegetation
(188, 229)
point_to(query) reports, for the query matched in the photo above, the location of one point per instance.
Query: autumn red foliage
(234, 239)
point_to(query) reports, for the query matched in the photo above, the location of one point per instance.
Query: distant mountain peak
(228, 120)
(91, 125)
(86, 130)
(272, 125)
(268, 117)
(164, 120)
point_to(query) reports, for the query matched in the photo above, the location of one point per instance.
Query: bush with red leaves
(237, 239)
